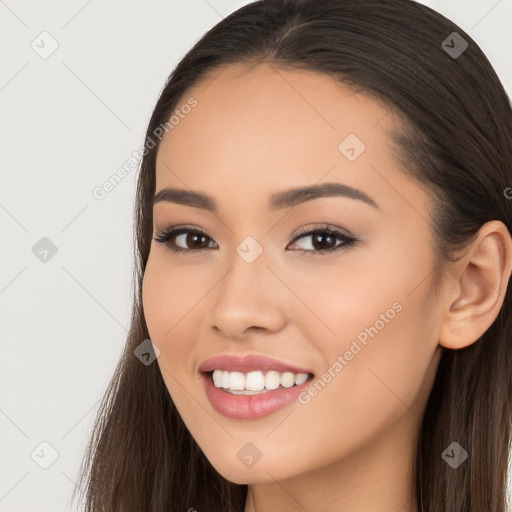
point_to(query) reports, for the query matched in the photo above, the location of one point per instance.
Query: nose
(250, 299)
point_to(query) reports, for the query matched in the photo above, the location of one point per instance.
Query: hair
(454, 139)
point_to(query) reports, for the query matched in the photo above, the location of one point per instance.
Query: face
(337, 284)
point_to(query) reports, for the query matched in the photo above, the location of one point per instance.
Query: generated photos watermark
(101, 191)
(355, 348)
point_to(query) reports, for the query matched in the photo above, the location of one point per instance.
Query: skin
(257, 131)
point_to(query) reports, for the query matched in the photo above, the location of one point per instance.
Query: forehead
(260, 128)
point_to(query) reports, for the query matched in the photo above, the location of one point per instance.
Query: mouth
(250, 386)
(253, 395)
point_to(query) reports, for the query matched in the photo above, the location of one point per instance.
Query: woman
(321, 319)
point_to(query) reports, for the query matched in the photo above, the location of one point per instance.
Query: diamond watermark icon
(147, 352)
(44, 455)
(249, 455)
(454, 45)
(351, 147)
(249, 249)
(44, 250)
(454, 455)
(44, 45)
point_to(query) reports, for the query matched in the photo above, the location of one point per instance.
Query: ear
(477, 287)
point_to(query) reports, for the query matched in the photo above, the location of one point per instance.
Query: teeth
(218, 378)
(225, 379)
(301, 378)
(255, 382)
(272, 380)
(287, 379)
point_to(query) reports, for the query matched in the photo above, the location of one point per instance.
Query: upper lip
(247, 363)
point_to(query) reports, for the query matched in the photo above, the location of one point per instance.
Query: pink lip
(248, 363)
(250, 407)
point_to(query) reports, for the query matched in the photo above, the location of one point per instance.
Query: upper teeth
(256, 381)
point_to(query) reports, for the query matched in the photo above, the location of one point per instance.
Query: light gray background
(68, 123)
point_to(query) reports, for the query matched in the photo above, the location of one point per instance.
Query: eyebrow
(278, 200)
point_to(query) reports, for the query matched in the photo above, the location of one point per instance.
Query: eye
(323, 240)
(187, 239)
(183, 235)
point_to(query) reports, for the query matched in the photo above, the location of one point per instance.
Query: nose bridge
(246, 296)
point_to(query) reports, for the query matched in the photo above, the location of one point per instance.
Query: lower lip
(250, 407)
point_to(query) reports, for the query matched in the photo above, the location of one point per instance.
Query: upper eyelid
(303, 231)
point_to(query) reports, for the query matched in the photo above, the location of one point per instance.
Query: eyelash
(167, 235)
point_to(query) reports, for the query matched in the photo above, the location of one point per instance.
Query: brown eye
(176, 238)
(324, 241)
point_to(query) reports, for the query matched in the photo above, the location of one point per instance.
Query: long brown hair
(456, 141)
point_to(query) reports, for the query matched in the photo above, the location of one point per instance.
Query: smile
(230, 393)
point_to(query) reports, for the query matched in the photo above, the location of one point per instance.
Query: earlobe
(478, 292)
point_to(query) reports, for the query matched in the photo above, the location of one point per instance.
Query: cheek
(372, 388)
(161, 312)
(155, 300)
(168, 294)
(171, 299)
(163, 304)
(379, 300)
(376, 332)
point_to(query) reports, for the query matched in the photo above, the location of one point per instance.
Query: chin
(261, 472)
(248, 476)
